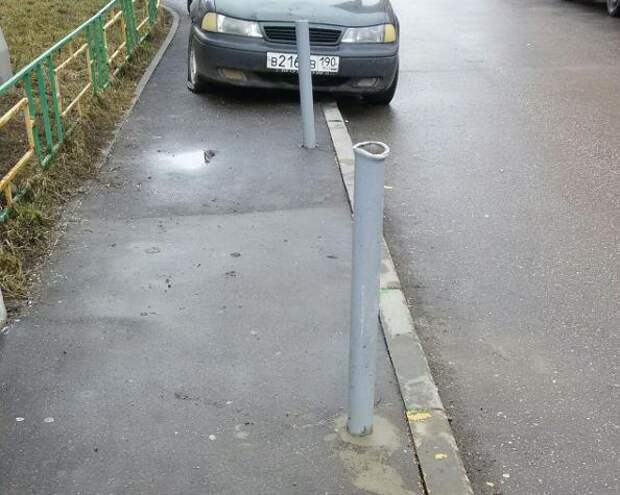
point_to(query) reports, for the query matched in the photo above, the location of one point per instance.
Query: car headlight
(384, 33)
(217, 23)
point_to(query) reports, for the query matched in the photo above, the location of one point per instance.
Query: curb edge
(144, 80)
(437, 452)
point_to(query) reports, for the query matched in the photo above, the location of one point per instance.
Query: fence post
(32, 108)
(102, 54)
(44, 109)
(93, 59)
(152, 11)
(51, 78)
(130, 26)
(367, 237)
(305, 82)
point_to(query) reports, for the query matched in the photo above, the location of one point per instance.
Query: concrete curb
(146, 77)
(438, 455)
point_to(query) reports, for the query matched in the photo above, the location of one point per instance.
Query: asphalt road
(503, 219)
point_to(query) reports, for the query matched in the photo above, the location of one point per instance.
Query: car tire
(195, 83)
(613, 7)
(385, 97)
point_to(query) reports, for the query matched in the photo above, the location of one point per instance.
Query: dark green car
(253, 44)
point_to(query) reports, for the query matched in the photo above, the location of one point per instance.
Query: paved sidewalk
(192, 336)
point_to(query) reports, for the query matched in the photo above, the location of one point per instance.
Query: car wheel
(613, 7)
(195, 83)
(385, 97)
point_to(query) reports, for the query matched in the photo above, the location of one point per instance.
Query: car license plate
(287, 62)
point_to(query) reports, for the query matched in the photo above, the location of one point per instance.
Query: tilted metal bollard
(302, 29)
(5, 62)
(367, 236)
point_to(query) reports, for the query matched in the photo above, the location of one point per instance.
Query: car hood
(337, 12)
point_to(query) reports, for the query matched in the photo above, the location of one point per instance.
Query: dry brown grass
(31, 26)
(29, 233)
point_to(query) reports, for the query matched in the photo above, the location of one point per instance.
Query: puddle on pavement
(368, 459)
(188, 161)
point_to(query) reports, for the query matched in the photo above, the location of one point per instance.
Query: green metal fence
(44, 101)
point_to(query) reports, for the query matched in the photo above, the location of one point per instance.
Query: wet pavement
(503, 221)
(192, 334)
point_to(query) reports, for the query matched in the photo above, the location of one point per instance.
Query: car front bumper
(238, 61)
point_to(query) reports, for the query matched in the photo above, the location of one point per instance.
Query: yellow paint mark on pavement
(416, 416)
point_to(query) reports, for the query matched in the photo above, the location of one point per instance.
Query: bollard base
(356, 432)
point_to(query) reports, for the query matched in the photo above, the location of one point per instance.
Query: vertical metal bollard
(302, 29)
(367, 245)
(3, 314)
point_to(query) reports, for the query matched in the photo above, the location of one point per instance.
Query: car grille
(318, 36)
